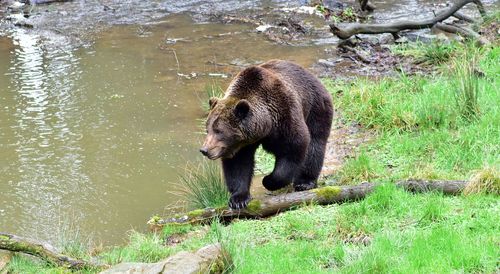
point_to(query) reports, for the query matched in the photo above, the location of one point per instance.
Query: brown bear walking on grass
(280, 106)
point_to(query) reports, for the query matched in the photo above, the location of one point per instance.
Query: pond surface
(93, 140)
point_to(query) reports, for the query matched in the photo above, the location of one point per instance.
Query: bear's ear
(212, 102)
(242, 108)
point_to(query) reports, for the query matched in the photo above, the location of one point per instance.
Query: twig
(176, 60)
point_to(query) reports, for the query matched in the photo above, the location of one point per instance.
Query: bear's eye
(217, 131)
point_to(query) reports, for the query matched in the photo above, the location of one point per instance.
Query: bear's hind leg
(319, 123)
(310, 170)
(282, 175)
(238, 172)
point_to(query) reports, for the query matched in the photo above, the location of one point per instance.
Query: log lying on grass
(349, 30)
(446, 187)
(325, 195)
(44, 251)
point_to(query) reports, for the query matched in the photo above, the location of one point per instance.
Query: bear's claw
(239, 201)
(304, 186)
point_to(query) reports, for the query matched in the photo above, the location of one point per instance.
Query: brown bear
(280, 106)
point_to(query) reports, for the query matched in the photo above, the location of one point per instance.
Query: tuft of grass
(71, 242)
(485, 181)
(438, 52)
(169, 230)
(358, 169)
(434, 209)
(466, 83)
(141, 248)
(211, 90)
(203, 186)
(434, 53)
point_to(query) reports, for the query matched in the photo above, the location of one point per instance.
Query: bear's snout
(204, 151)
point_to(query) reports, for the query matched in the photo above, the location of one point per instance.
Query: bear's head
(231, 124)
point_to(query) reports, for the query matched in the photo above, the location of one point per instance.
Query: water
(94, 139)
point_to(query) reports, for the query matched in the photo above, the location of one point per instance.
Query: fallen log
(446, 187)
(271, 205)
(349, 30)
(44, 251)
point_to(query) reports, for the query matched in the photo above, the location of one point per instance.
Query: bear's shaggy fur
(280, 106)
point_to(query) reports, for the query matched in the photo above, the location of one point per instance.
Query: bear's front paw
(239, 201)
(271, 184)
(304, 186)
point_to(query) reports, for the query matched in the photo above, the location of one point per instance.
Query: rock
(134, 268)
(304, 9)
(16, 6)
(263, 28)
(401, 40)
(199, 262)
(326, 62)
(5, 257)
(181, 263)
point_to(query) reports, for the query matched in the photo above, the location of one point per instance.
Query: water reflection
(45, 175)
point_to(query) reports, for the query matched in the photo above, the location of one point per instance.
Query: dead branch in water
(44, 251)
(325, 195)
(346, 31)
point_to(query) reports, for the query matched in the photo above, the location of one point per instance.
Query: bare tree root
(349, 30)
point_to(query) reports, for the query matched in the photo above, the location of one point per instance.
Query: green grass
(211, 90)
(203, 186)
(153, 247)
(423, 130)
(406, 234)
(359, 169)
(434, 53)
(466, 86)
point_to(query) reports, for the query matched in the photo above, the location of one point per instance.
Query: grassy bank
(444, 126)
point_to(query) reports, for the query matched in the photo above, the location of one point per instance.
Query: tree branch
(352, 29)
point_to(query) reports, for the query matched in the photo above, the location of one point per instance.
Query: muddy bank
(295, 23)
(80, 21)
